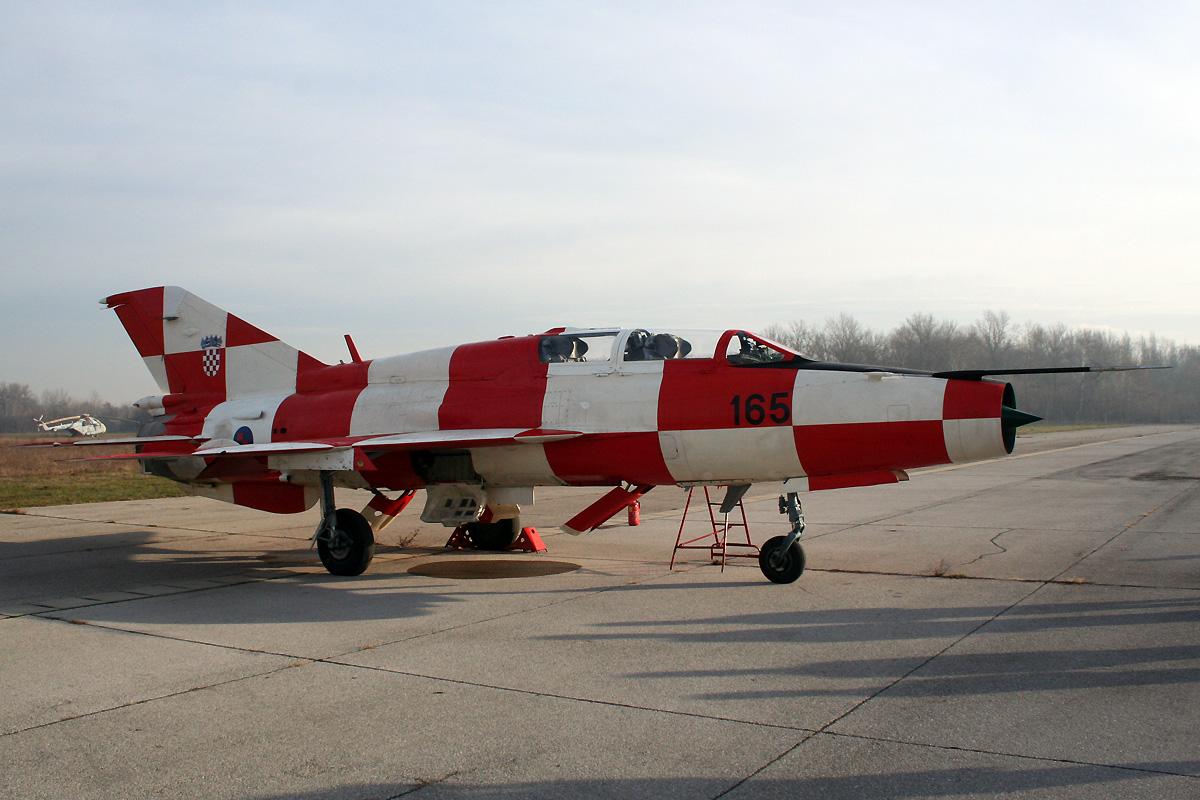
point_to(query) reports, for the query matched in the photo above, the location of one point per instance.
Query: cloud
(433, 173)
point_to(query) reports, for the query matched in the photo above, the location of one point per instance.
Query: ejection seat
(562, 349)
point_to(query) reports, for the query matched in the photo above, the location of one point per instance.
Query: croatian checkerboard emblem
(212, 355)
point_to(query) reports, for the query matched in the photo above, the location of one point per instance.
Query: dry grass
(46, 476)
(942, 570)
(18, 462)
(939, 569)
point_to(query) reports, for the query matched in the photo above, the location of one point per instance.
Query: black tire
(781, 567)
(350, 548)
(498, 535)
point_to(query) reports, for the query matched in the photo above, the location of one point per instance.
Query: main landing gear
(344, 538)
(781, 558)
(498, 535)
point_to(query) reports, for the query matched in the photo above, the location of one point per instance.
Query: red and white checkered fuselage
(250, 419)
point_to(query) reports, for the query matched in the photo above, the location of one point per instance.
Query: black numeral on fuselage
(754, 409)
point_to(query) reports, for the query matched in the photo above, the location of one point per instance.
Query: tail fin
(192, 347)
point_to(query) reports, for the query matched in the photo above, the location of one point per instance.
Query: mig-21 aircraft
(245, 418)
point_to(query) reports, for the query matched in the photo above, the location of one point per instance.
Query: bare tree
(994, 338)
(924, 343)
(799, 336)
(17, 407)
(849, 342)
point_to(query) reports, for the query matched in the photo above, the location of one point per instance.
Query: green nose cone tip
(1012, 418)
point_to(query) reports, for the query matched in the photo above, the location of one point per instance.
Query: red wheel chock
(460, 539)
(528, 541)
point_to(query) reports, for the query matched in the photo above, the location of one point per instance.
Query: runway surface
(1026, 627)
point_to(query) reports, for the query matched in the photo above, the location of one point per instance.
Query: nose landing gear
(781, 558)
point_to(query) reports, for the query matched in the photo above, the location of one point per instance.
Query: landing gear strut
(344, 539)
(781, 558)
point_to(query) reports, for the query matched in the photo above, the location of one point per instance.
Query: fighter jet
(246, 418)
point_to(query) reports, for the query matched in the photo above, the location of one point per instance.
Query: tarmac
(1025, 627)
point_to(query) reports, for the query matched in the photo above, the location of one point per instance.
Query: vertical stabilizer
(192, 347)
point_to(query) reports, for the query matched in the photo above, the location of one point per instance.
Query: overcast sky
(426, 173)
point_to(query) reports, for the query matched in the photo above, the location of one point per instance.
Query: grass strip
(30, 491)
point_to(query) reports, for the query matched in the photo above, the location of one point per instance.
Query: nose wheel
(780, 561)
(781, 558)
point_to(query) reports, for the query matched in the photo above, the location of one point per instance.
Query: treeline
(923, 342)
(19, 407)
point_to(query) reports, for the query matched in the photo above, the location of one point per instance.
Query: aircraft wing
(421, 440)
(469, 438)
(126, 440)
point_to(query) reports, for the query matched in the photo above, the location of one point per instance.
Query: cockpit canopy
(739, 348)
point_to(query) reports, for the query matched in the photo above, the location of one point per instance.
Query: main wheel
(780, 566)
(497, 535)
(350, 546)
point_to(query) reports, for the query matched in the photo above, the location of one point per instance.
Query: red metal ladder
(720, 547)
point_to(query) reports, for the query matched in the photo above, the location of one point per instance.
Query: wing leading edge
(426, 440)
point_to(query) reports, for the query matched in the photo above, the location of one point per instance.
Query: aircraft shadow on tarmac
(315, 598)
(991, 671)
(877, 624)
(51, 548)
(978, 674)
(307, 597)
(129, 560)
(973, 781)
(193, 586)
